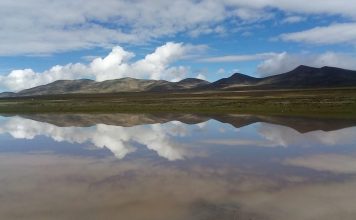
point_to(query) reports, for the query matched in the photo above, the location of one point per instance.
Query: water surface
(169, 166)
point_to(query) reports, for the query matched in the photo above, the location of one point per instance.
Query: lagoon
(176, 166)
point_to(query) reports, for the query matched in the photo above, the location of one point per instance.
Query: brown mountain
(86, 86)
(300, 78)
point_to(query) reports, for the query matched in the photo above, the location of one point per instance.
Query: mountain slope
(188, 83)
(58, 87)
(307, 77)
(236, 80)
(300, 77)
(109, 86)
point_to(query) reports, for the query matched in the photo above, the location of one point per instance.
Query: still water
(169, 166)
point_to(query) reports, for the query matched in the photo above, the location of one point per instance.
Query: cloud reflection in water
(261, 171)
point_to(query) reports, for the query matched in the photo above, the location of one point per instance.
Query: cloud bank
(238, 58)
(45, 26)
(160, 65)
(117, 64)
(272, 63)
(332, 34)
(283, 62)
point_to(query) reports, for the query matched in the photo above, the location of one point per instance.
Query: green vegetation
(321, 102)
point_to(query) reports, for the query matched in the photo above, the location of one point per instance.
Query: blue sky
(42, 41)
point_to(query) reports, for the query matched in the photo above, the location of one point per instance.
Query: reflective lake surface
(169, 166)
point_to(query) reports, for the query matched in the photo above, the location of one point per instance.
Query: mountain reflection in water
(176, 166)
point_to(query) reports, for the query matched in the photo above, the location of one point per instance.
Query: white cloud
(252, 15)
(280, 63)
(21, 79)
(283, 62)
(116, 64)
(293, 19)
(238, 58)
(339, 7)
(221, 71)
(235, 71)
(276, 63)
(333, 34)
(45, 26)
(70, 25)
(201, 76)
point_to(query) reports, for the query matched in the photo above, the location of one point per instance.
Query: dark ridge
(302, 77)
(237, 79)
(310, 77)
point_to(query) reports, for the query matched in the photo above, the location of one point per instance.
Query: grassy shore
(321, 102)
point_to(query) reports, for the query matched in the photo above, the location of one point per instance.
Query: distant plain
(338, 102)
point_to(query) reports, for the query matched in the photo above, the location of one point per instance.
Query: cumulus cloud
(116, 64)
(332, 34)
(21, 79)
(283, 62)
(45, 26)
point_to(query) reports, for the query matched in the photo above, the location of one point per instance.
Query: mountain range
(301, 77)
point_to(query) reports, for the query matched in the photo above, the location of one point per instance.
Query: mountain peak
(237, 74)
(304, 68)
(235, 80)
(191, 80)
(127, 79)
(299, 78)
(240, 75)
(192, 83)
(331, 68)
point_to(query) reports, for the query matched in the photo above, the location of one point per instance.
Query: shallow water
(169, 166)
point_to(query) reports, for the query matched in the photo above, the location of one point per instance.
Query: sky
(42, 41)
